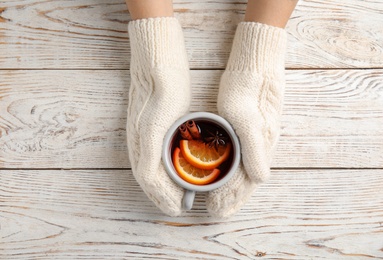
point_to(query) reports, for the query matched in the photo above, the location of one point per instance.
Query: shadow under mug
(191, 189)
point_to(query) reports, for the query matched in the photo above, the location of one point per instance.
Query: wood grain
(64, 83)
(76, 118)
(298, 214)
(91, 34)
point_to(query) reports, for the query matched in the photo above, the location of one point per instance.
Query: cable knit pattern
(159, 94)
(250, 98)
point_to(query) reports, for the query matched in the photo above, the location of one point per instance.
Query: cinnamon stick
(185, 132)
(193, 129)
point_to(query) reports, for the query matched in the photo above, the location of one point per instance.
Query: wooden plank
(298, 214)
(93, 34)
(76, 119)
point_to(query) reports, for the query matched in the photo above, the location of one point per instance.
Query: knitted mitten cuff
(157, 42)
(258, 47)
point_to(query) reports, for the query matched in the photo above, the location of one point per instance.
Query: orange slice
(202, 156)
(190, 173)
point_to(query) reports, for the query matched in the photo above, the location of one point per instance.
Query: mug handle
(188, 199)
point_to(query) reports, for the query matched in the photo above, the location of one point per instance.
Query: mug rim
(167, 157)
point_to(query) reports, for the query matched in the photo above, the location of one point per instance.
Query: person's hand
(159, 95)
(250, 98)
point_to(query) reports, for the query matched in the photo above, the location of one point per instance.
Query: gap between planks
(129, 169)
(192, 69)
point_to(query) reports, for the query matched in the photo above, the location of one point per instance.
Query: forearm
(141, 9)
(271, 12)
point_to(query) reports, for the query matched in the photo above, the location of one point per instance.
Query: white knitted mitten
(228, 199)
(159, 94)
(250, 98)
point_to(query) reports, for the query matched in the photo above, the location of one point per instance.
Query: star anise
(216, 139)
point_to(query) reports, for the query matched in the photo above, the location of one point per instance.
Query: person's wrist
(271, 12)
(143, 9)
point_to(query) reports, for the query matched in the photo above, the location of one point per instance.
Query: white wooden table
(66, 188)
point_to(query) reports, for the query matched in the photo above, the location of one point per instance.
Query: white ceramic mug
(191, 189)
